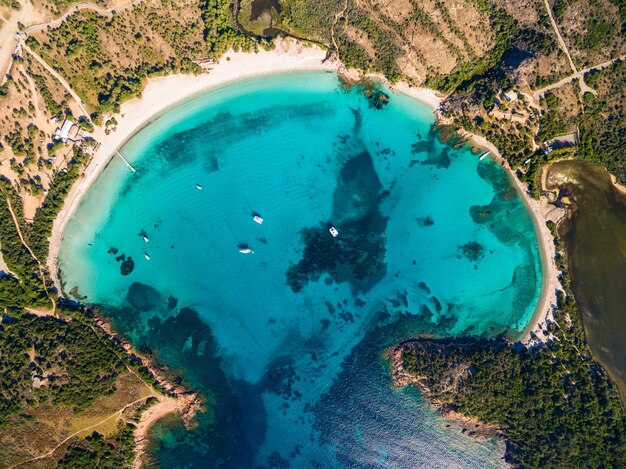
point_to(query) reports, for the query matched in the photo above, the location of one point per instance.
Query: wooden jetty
(130, 166)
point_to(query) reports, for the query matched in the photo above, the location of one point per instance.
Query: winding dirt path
(61, 80)
(584, 88)
(42, 271)
(537, 94)
(19, 231)
(559, 37)
(338, 15)
(108, 12)
(33, 89)
(27, 14)
(117, 414)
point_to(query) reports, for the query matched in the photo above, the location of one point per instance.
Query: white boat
(484, 155)
(145, 238)
(146, 256)
(333, 231)
(199, 187)
(258, 219)
(245, 249)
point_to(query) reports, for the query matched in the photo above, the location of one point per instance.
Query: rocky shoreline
(174, 398)
(401, 378)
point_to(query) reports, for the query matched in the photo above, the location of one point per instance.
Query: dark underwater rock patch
(473, 251)
(425, 221)
(357, 254)
(355, 260)
(127, 263)
(143, 297)
(280, 377)
(172, 302)
(211, 164)
(127, 266)
(439, 159)
(376, 99)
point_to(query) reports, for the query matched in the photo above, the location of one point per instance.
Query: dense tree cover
(20, 145)
(311, 19)
(556, 406)
(551, 120)
(599, 32)
(603, 125)
(27, 289)
(556, 409)
(41, 228)
(111, 452)
(75, 364)
(220, 32)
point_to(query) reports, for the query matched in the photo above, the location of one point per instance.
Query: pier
(130, 166)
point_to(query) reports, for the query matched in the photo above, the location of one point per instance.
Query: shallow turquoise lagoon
(286, 342)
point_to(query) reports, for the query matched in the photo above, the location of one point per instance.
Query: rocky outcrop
(450, 382)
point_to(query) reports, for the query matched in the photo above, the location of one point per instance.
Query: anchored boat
(245, 249)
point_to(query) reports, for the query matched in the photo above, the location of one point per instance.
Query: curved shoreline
(550, 274)
(163, 93)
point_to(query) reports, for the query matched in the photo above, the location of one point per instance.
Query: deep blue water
(286, 343)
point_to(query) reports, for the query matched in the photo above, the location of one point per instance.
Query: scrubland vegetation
(106, 60)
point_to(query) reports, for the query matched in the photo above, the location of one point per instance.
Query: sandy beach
(165, 406)
(163, 93)
(550, 273)
(424, 95)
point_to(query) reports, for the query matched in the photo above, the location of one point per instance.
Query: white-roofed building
(68, 131)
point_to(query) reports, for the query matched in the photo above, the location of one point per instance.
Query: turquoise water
(286, 343)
